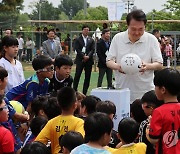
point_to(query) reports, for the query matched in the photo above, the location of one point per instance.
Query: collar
(128, 145)
(51, 40)
(8, 60)
(84, 37)
(57, 78)
(127, 40)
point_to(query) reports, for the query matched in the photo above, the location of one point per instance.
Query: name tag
(84, 49)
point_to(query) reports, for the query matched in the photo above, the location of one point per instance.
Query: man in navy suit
(84, 46)
(102, 50)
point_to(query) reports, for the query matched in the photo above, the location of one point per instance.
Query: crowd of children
(57, 119)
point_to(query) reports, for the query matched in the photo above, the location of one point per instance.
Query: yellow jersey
(57, 127)
(138, 148)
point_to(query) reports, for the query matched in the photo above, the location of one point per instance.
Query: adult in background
(102, 51)
(51, 47)
(8, 32)
(21, 46)
(84, 46)
(135, 40)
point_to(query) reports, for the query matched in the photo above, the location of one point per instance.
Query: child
(71, 140)
(8, 61)
(60, 125)
(128, 132)
(149, 103)
(88, 106)
(43, 107)
(80, 97)
(6, 137)
(109, 108)
(62, 77)
(35, 148)
(164, 128)
(36, 84)
(12, 113)
(98, 127)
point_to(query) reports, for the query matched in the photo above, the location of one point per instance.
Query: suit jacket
(47, 49)
(101, 52)
(90, 46)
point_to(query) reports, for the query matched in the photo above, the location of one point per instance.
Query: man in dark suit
(102, 50)
(84, 46)
(51, 47)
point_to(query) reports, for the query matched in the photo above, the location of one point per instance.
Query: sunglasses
(4, 108)
(48, 69)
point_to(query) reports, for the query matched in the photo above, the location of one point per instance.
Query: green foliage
(48, 11)
(9, 10)
(63, 16)
(162, 15)
(71, 7)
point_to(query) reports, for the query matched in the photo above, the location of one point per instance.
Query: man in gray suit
(51, 47)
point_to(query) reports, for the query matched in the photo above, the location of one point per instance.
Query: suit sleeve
(92, 48)
(45, 50)
(99, 53)
(78, 48)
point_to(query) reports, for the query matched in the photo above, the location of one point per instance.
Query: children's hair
(137, 112)
(41, 61)
(151, 99)
(63, 60)
(90, 103)
(3, 73)
(107, 107)
(37, 124)
(52, 108)
(66, 98)
(96, 125)
(38, 104)
(168, 78)
(80, 95)
(46, 103)
(128, 130)
(8, 41)
(71, 140)
(35, 148)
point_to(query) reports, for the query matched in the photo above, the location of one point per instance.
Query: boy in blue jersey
(36, 84)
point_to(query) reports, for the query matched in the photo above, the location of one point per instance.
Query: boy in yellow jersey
(128, 131)
(58, 126)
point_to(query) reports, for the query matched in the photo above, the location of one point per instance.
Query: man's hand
(85, 58)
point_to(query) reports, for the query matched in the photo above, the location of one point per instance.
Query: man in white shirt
(145, 45)
(20, 47)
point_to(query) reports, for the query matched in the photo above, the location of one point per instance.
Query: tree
(9, 10)
(173, 6)
(48, 11)
(71, 7)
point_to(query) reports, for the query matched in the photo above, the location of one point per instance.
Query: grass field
(28, 71)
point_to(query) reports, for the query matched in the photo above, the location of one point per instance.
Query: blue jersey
(28, 90)
(10, 107)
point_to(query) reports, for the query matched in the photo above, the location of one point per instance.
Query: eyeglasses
(4, 108)
(48, 69)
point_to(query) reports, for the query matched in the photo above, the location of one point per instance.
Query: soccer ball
(131, 63)
(18, 107)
